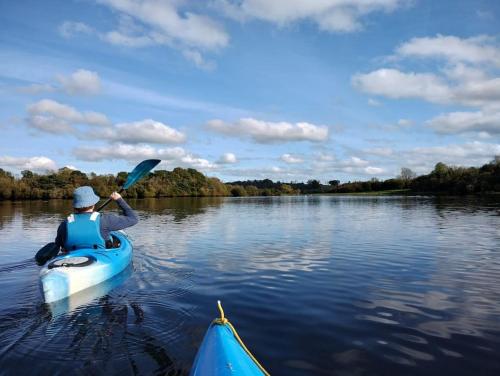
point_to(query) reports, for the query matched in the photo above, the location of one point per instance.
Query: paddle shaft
(105, 203)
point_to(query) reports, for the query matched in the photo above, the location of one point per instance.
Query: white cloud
(479, 93)
(197, 58)
(374, 102)
(146, 130)
(289, 158)
(420, 159)
(352, 165)
(37, 164)
(353, 162)
(95, 118)
(485, 15)
(374, 170)
(392, 83)
(484, 135)
(405, 122)
(36, 89)
(479, 49)
(68, 28)
(460, 122)
(474, 153)
(190, 160)
(325, 157)
(174, 156)
(227, 158)
(468, 77)
(272, 172)
(126, 152)
(121, 39)
(381, 152)
(130, 34)
(51, 107)
(270, 132)
(320, 168)
(423, 159)
(329, 15)
(81, 82)
(163, 17)
(152, 22)
(53, 117)
(50, 124)
(464, 73)
(395, 84)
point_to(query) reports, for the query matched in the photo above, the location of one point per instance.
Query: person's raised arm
(129, 217)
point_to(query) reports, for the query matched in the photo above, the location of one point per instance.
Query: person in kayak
(86, 228)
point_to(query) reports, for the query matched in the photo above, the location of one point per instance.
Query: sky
(289, 90)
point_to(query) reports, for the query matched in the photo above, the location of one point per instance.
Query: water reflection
(178, 208)
(7, 213)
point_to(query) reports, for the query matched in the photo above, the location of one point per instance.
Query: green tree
(441, 170)
(407, 174)
(238, 191)
(334, 183)
(287, 189)
(314, 184)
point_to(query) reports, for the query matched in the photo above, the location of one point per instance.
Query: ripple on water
(120, 327)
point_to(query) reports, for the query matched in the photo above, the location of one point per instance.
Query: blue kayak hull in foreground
(222, 353)
(78, 270)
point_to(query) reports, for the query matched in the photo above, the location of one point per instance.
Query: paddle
(137, 173)
(46, 253)
(51, 250)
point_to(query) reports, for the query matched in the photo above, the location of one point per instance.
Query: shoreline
(393, 192)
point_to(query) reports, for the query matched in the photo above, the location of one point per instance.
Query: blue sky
(288, 90)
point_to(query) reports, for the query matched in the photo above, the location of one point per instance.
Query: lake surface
(315, 285)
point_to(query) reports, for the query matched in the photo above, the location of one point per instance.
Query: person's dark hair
(81, 210)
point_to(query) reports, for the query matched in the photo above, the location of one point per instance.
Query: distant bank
(189, 182)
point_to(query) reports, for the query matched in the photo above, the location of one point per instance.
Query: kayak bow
(223, 353)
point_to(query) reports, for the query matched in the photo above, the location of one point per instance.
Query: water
(315, 286)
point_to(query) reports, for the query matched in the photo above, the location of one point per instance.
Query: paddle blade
(140, 171)
(47, 252)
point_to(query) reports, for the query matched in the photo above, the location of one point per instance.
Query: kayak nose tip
(54, 286)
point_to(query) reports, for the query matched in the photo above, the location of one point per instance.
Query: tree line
(190, 182)
(179, 182)
(443, 179)
(460, 180)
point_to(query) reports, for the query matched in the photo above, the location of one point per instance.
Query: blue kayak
(78, 270)
(222, 353)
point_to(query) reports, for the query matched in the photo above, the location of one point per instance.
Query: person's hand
(115, 196)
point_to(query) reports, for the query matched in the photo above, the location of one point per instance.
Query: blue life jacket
(84, 231)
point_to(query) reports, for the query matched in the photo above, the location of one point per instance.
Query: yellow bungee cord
(223, 321)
